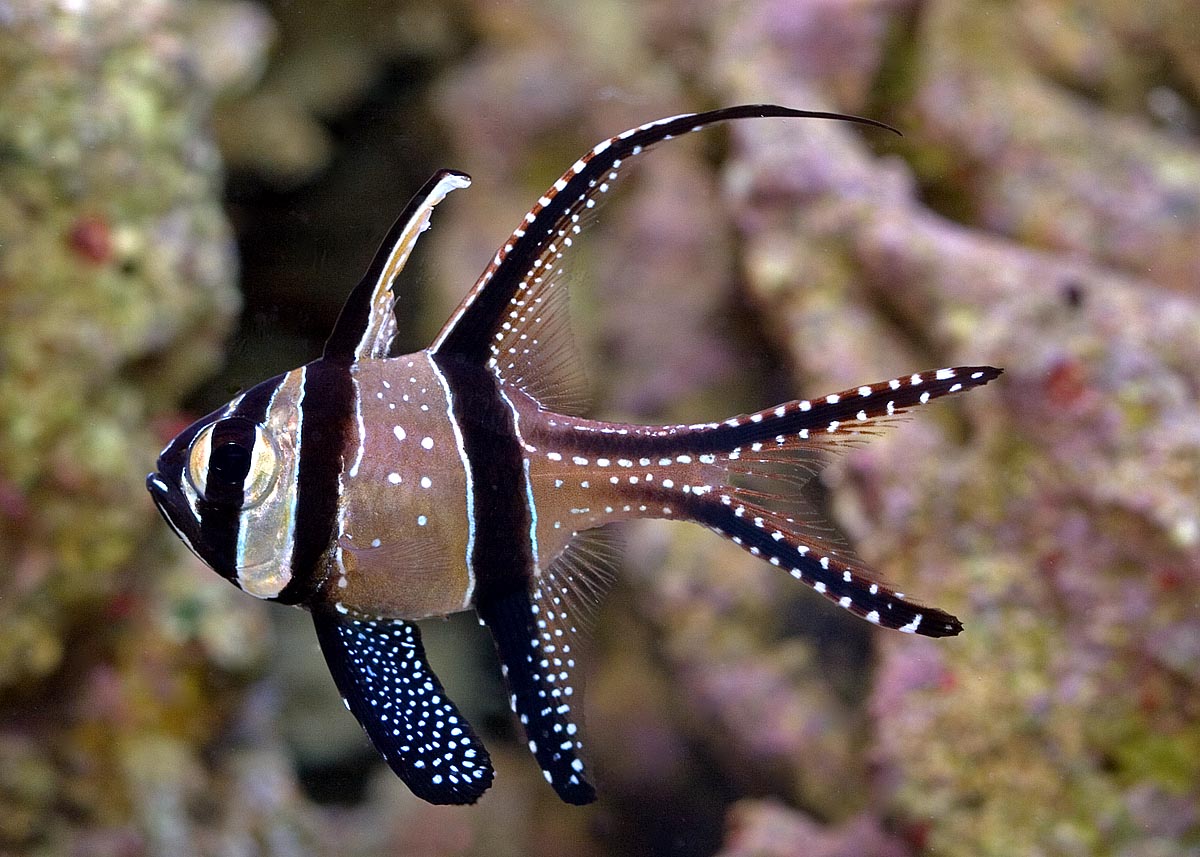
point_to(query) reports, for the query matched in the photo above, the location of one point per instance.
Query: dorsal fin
(367, 322)
(511, 313)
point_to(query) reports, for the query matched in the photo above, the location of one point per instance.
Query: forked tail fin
(762, 445)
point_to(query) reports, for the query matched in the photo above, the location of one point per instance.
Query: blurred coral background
(188, 190)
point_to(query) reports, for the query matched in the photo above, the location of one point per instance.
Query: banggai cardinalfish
(375, 489)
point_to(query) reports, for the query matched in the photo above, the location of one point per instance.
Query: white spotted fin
(540, 636)
(380, 668)
(515, 318)
(765, 444)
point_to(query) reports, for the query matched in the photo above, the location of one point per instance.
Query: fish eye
(233, 461)
(230, 462)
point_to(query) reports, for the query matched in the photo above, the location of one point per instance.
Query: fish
(376, 489)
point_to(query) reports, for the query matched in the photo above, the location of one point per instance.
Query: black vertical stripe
(326, 411)
(503, 557)
(220, 507)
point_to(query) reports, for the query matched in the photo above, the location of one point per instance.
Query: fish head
(227, 486)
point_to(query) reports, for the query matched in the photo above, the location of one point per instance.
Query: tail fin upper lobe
(862, 410)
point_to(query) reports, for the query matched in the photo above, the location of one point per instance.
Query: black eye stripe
(232, 445)
(221, 504)
(229, 462)
(235, 430)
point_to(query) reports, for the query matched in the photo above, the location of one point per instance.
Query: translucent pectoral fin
(380, 669)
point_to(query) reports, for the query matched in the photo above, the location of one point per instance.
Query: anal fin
(534, 643)
(380, 668)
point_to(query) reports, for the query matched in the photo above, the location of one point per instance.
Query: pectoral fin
(380, 669)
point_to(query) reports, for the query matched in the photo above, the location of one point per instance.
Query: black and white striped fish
(376, 489)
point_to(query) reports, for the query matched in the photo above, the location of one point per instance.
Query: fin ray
(537, 351)
(581, 575)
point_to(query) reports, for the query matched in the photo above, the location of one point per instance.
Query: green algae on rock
(116, 289)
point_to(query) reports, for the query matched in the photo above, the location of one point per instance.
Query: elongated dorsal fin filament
(492, 323)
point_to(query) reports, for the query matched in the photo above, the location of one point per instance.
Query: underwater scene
(650, 564)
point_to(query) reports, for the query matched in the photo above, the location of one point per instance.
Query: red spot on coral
(916, 834)
(91, 239)
(1066, 382)
(120, 606)
(1170, 579)
(1150, 699)
(1050, 563)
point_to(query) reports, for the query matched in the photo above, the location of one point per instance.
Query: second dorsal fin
(512, 319)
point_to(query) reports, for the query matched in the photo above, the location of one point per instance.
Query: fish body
(374, 489)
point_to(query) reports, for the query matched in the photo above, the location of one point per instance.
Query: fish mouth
(167, 502)
(159, 493)
(156, 485)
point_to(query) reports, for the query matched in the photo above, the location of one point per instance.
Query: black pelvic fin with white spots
(380, 669)
(367, 322)
(498, 321)
(536, 650)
